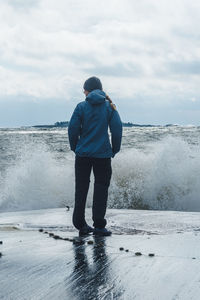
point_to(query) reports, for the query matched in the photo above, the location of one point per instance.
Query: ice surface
(36, 266)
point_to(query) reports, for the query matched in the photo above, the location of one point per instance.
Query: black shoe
(102, 232)
(85, 230)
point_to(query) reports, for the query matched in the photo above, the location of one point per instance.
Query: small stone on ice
(138, 253)
(151, 254)
(40, 230)
(90, 242)
(56, 237)
(1, 242)
(127, 250)
(121, 248)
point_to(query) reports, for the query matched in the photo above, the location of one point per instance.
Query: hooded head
(92, 83)
(95, 94)
(96, 97)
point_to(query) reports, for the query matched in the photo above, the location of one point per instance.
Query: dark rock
(46, 232)
(1, 242)
(151, 254)
(90, 242)
(40, 230)
(138, 253)
(0, 254)
(127, 250)
(121, 248)
(67, 207)
(56, 237)
(194, 258)
(51, 234)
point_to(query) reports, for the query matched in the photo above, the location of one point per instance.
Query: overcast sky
(146, 53)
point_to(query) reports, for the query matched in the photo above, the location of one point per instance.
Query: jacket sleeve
(74, 128)
(115, 125)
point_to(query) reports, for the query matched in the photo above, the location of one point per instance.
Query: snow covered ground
(35, 265)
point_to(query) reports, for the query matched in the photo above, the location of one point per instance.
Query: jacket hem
(94, 155)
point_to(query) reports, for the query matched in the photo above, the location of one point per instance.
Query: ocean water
(157, 168)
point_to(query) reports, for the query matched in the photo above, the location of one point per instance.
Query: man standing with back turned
(89, 139)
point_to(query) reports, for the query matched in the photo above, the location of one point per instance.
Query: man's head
(92, 83)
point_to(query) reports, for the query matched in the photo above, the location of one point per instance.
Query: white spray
(166, 177)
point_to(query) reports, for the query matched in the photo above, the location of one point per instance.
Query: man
(89, 139)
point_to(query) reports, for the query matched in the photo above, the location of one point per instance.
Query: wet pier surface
(38, 265)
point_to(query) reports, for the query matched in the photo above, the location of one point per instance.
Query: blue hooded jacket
(88, 127)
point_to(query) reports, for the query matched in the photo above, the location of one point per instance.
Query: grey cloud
(23, 4)
(192, 67)
(185, 33)
(19, 67)
(140, 46)
(117, 70)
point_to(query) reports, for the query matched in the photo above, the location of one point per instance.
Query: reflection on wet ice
(91, 278)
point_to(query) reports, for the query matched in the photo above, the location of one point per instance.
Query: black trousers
(102, 174)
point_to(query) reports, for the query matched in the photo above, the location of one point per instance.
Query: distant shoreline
(128, 124)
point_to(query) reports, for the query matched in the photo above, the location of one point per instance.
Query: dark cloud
(185, 33)
(192, 67)
(23, 4)
(20, 67)
(50, 47)
(117, 70)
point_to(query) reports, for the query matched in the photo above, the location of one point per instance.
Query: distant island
(128, 124)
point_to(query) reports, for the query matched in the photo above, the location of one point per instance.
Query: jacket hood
(96, 97)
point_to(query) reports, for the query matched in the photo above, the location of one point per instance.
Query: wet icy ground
(35, 265)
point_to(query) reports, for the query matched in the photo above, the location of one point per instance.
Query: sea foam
(166, 177)
(37, 180)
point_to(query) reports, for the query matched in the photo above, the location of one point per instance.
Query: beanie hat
(92, 83)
